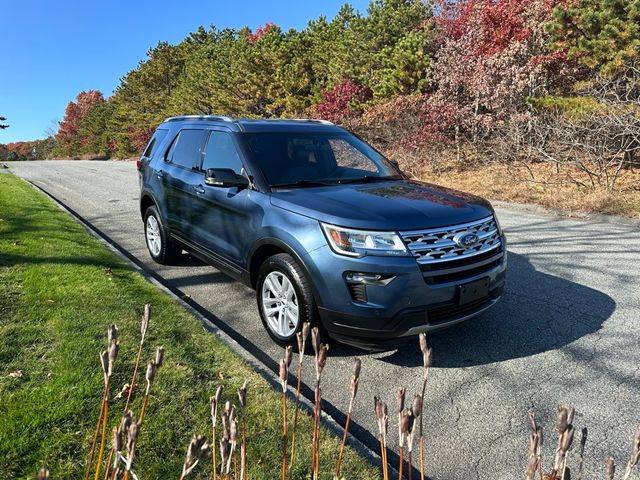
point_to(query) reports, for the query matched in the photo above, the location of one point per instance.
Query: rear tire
(161, 248)
(285, 299)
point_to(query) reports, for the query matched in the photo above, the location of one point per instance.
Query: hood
(392, 205)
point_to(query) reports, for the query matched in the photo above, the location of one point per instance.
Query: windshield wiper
(301, 183)
(370, 179)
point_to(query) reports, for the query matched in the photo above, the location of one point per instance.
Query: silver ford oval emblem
(466, 239)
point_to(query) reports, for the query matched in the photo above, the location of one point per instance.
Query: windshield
(310, 159)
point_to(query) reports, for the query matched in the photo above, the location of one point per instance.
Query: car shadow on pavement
(538, 312)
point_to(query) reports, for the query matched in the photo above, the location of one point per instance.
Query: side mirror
(225, 177)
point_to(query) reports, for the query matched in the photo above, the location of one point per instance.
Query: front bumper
(395, 312)
(397, 330)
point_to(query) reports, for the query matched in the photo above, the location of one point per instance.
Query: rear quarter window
(186, 149)
(155, 142)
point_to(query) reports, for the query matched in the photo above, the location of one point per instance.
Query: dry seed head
(321, 359)
(242, 393)
(315, 340)
(225, 425)
(43, 474)
(405, 426)
(233, 414)
(204, 450)
(300, 341)
(306, 328)
(355, 377)
(416, 406)
(233, 434)
(406, 423)
(198, 448)
(151, 372)
(193, 448)
(113, 354)
(159, 356)
(561, 419)
(381, 412)
(132, 436)
(357, 366)
(422, 338)
(112, 334)
(219, 394)
(288, 355)
(214, 410)
(609, 468)
(227, 407)
(400, 399)
(125, 423)
(283, 374)
(116, 439)
(144, 325)
(570, 415)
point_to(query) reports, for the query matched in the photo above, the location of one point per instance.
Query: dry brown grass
(539, 184)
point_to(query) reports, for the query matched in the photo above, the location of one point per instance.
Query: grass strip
(59, 290)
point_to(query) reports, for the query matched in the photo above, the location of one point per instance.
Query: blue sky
(51, 50)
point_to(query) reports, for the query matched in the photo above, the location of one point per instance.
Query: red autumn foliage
(501, 22)
(260, 32)
(337, 103)
(24, 149)
(142, 137)
(75, 112)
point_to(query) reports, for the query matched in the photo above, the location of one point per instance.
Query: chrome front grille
(441, 259)
(437, 245)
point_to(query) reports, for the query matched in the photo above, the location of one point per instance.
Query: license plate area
(473, 291)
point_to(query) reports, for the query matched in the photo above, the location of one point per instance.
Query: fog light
(368, 278)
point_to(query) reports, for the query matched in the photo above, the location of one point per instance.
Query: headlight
(358, 243)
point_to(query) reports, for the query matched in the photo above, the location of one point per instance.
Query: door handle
(160, 174)
(199, 189)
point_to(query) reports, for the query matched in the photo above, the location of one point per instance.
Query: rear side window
(155, 141)
(221, 152)
(187, 148)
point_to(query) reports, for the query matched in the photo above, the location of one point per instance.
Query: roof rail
(219, 118)
(312, 120)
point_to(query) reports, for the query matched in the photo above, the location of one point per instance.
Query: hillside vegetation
(439, 85)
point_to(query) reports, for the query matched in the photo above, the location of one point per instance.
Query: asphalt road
(566, 331)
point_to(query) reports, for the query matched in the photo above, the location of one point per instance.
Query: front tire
(285, 299)
(159, 244)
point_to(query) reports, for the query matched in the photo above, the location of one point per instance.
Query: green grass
(56, 301)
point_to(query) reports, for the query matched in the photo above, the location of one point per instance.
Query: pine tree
(601, 34)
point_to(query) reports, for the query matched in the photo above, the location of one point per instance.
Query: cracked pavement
(566, 331)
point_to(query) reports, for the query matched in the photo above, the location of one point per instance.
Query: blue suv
(321, 225)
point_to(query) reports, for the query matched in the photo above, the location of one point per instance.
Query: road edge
(590, 217)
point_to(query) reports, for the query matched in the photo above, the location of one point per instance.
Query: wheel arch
(267, 247)
(146, 201)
